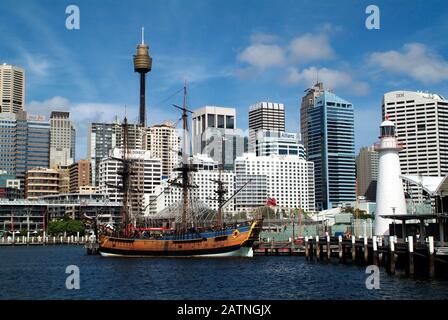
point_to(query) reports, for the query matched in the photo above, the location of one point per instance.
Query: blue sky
(233, 53)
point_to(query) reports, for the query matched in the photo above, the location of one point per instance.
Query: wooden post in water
(366, 251)
(317, 249)
(411, 255)
(392, 255)
(353, 249)
(380, 254)
(328, 249)
(431, 257)
(341, 253)
(375, 250)
(307, 252)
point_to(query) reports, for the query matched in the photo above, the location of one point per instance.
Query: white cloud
(332, 79)
(263, 56)
(414, 60)
(36, 64)
(310, 47)
(264, 38)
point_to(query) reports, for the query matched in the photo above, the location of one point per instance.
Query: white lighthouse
(389, 191)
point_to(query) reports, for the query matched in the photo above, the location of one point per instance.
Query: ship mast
(125, 177)
(185, 168)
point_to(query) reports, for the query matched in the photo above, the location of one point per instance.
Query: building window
(211, 120)
(220, 121)
(230, 122)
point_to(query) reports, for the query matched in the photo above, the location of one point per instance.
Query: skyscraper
(146, 176)
(101, 140)
(421, 121)
(214, 133)
(24, 143)
(367, 173)
(331, 146)
(288, 179)
(79, 175)
(164, 143)
(307, 103)
(12, 89)
(62, 139)
(279, 143)
(265, 116)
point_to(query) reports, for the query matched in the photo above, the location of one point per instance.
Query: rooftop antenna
(143, 35)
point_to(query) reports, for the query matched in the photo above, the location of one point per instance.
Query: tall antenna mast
(143, 35)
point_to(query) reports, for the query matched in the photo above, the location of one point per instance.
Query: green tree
(70, 226)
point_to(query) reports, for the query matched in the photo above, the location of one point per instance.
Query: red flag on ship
(271, 202)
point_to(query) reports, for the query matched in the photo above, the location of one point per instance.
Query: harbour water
(39, 273)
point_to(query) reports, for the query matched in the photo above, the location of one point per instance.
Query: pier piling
(391, 255)
(431, 257)
(353, 249)
(411, 255)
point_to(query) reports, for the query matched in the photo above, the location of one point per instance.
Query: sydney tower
(142, 65)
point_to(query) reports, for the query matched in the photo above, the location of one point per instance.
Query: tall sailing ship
(187, 228)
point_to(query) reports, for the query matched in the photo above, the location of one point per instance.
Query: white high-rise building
(421, 121)
(147, 174)
(205, 187)
(62, 139)
(289, 179)
(280, 143)
(214, 133)
(389, 190)
(265, 116)
(164, 143)
(12, 89)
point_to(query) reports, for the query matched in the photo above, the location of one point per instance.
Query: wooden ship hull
(231, 242)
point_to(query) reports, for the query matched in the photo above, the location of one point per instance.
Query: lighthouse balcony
(391, 144)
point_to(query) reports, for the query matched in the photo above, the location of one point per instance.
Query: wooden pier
(395, 255)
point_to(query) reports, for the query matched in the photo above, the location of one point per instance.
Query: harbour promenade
(47, 240)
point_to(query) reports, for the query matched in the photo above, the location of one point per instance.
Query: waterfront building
(40, 182)
(265, 116)
(279, 143)
(12, 89)
(146, 175)
(308, 101)
(331, 146)
(78, 205)
(207, 171)
(33, 215)
(64, 178)
(389, 193)
(164, 143)
(62, 139)
(367, 173)
(24, 143)
(289, 179)
(79, 175)
(214, 133)
(421, 121)
(88, 190)
(9, 186)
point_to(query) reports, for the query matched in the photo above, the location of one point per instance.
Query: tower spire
(143, 35)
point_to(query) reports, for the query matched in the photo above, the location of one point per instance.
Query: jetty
(413, 258)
